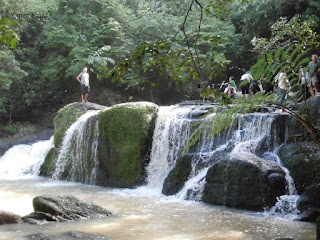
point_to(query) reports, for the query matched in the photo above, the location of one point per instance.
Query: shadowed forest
(159, 51)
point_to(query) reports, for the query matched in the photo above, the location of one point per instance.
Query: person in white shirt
(83, 79)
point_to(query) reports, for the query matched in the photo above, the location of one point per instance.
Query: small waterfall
(286, 205)
(24, 161)
(172, 131)
(77, 159)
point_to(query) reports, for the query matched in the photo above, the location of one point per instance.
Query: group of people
(309, 77)
(247, 86)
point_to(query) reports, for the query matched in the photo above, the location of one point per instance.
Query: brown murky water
(139, 215)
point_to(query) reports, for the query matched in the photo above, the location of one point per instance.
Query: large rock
(65, 117)
(302, 160)
(246, 184)
(63, 208)
(8, 217)
(68, 115)
(178, 176)
(309, 203)
(125, 139)
(73, 235)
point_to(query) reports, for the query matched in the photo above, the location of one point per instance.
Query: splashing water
(78, 153)
(24, 161)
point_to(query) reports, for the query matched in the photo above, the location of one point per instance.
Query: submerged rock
(63, 208)
(8, 217)
(244, 184)
(73, 235)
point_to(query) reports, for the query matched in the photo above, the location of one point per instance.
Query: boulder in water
(73, 235)
(177, 176)
(8, 217)
(246, 184)
(64, 208)
(125, 140)
(309, 204)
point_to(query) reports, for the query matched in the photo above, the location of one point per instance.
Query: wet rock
(64, 208)
(73, 235)
(177, 176)
(309, 204)
(8, 217)
(246, 184)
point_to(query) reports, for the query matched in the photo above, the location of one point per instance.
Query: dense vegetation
(160, 51)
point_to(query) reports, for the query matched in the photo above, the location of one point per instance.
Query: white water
(76, 149)
(137, 213)
(172, 131)
(24, 161)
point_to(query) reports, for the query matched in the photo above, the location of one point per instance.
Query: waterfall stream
(154, 216)
(79, 150)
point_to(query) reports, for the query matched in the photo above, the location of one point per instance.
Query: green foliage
(288, 32)
(11, 129)
(8, 36)
(288, 61)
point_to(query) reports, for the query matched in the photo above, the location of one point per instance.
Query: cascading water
(24, 161)
(172, 131)
(253, 135)
(77, 159)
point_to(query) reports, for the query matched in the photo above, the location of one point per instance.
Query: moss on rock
(125, 135)
(65, 118)
(47, 167)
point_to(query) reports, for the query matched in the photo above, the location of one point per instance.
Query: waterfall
(77, 158)
(172, 131)
(24, 161)
(251, 136)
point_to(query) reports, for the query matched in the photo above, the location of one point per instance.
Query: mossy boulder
(47, 167)
(125, 139)
(67, 116)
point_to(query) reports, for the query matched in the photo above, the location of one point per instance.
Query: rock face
(309, 204)
(63, 208)
(125, 139)
(74, 235)
(244, 184)
(177, 176)
(8, 217)
(303, 162)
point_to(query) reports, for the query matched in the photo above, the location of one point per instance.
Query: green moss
(125, 130)
(47, 167)
(64, 119)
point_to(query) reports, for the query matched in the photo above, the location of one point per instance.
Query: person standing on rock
(83, 79)
(313, 68)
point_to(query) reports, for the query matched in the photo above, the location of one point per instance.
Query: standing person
(313, 68)
(83, 79)
(245, 84)
(283, 87)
